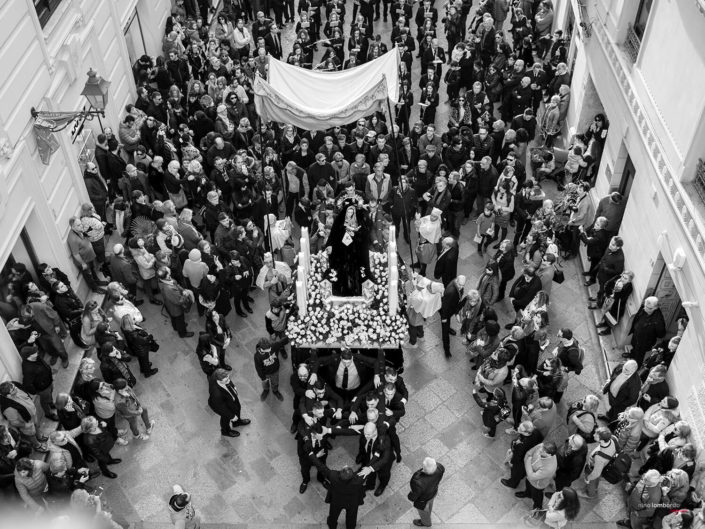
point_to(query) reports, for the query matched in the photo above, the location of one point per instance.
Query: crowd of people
(201, 200)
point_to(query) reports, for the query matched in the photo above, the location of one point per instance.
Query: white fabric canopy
(319, 100)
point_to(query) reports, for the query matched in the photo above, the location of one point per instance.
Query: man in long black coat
(447, 264)
(223, 399)
(450, 306)
(528, 438)
(346, 490)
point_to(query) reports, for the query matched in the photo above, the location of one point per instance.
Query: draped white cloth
(319, 100)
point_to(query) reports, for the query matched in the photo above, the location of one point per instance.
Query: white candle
(393, 297)
(301, 298)
(301, 277)
(306, 248)
(392, 233)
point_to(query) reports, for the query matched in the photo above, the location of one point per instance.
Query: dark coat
(611, 264)
(627, 394)
(524, 291)
(36, 376)
(424, 487)
(123, 270)
(522, 444)
(366, 366)
(171, 293)
(446, 268)
(221, 402)
(450, 302)
(350, 493)
(597, 242)
(570, 464)
(646, 330)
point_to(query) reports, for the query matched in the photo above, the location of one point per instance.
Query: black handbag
(558, 275)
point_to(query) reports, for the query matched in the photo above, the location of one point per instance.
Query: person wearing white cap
(451, 303)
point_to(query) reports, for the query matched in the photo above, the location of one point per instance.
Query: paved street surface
(252, 481)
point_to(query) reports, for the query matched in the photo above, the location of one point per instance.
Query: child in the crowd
(485, 228)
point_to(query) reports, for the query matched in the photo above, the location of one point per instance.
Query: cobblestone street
(252, 481)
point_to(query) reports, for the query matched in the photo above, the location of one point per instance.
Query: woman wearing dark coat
(619, 288)
(505, 262)
(113, 366)
(70, 308)
(139, 342)
(210, 355)
(218, 328)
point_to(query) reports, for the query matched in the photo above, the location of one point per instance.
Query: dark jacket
(597, 242)
(446, 268)
(424, 487)
(123, 270)
(611, 264)
(522, 444)
(570, 463)
(268, 364)
(450, 302)
(172, 293)
(346, 493)
(380, 456)
(221, 401)
(36, 376)
(646, 330)
(627, 394)
(363, 364)
(524, 291)
(99, 445)
(97, 191)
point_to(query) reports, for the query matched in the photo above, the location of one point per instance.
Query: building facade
(642, 64)
(45, 52)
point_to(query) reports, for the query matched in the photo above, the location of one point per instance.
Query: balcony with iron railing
(632, 43)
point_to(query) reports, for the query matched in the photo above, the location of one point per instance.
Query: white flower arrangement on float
(368, 324)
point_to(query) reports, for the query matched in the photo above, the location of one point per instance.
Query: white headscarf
(426, 301)
(431, 229)
(278, 231)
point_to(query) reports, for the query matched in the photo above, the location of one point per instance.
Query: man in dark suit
(528, 438)
(451, 302)
(223, 399)
(346, 490)
(447, 264)
(349, 374)
(376, 458)
(311, 444)
(622, 389)
(424, 487)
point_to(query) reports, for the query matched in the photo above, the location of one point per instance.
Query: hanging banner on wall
(44, 126)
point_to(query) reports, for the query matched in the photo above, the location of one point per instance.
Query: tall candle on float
(393, 297)
(301, 276)
(306, 248)
(301, 300)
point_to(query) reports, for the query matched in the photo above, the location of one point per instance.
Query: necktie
(368, 449)
(345, 378)
(388, 401)
(232, 391)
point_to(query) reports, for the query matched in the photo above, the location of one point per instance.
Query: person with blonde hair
(628, 429)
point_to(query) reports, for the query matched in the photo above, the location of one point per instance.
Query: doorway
(662, 286)
(625, 183)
